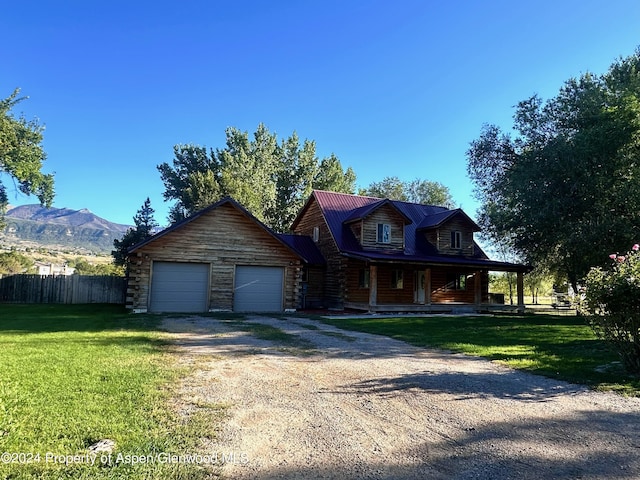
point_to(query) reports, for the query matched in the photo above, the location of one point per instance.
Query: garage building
(220, 258)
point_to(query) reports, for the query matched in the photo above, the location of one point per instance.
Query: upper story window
(316, 234)
(456, 240)
(384, 233)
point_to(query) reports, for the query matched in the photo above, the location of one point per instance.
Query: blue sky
(392, 88)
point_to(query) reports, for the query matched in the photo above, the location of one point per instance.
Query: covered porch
(388, 287)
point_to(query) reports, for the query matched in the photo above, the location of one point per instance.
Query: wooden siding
(67, 289)
(356, 228)
(385, 292)
(441, 291)
(314, 288)
(441, 238)
(334, 278)
(353, 291)
(223, 237)
(385, 214)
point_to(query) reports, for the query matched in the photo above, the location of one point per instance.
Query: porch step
(463, 309)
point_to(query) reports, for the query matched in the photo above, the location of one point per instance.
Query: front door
(418, 294)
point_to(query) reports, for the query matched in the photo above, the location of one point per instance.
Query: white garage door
(258, 289)
(179, 287)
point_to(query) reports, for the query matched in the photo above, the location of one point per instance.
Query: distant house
(53, 269)
(346, 251)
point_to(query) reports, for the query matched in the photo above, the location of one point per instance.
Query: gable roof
(305, 247)
(340, 209)
(299, 248)
(437, 219)
(362, 212)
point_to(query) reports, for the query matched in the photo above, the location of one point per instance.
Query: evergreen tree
(144, 226)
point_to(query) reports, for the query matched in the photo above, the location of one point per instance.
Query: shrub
(612, 305)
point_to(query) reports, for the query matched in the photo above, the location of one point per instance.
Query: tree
(271, 178)
(83, 267)
(192, 180)
(415, 191)
(13, 262)
(294, 180)
(248, 169)
(144, 226)
(21, 154)
(390, 187)
(566, 188)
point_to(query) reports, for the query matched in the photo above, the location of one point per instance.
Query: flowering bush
(612, 305)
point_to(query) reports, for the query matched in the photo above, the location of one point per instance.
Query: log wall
(442, 287)
(224, 237)
(334, 274)
(385, 214)
(441, 238)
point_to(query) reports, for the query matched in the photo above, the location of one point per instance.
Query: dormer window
(384, 233)
(456, 240)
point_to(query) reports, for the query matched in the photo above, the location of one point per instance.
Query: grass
(271, 334)
(71, 375)
(561, 347)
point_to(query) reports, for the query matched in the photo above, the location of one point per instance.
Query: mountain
(61, 228)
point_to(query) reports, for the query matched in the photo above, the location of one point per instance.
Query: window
(384, 233)
(316, 234)
(363, 278)
(397, 279)
(456, 281)
(456, 240)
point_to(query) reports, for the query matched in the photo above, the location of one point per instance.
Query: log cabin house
(387, 255)
(345, 252)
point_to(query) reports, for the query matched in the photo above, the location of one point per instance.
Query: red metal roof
(305, 248)
(339, 209)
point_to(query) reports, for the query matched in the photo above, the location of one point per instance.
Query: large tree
(22, 155)
(564, 191)
(271, 178)
(415, 191)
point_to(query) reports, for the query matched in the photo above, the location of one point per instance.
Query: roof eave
(470, 262)
(201, 212)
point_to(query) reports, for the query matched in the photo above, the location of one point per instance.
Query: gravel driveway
(328, 403)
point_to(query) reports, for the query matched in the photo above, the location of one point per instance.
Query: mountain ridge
(60, 228)
(64, 216)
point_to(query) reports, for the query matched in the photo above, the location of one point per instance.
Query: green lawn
(73, 375)
(562, 347)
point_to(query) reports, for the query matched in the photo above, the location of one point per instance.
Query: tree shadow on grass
(25, 318)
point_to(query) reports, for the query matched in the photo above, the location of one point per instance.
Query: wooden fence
(62, 289)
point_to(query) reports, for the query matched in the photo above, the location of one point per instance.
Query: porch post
(427, 286)
(373, 286)
(477, 284)
(520, 288)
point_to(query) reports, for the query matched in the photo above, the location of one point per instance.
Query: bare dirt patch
(326, 403)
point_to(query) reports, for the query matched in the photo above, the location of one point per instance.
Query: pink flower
(621, 258)
(613, 256)
(635, 248)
